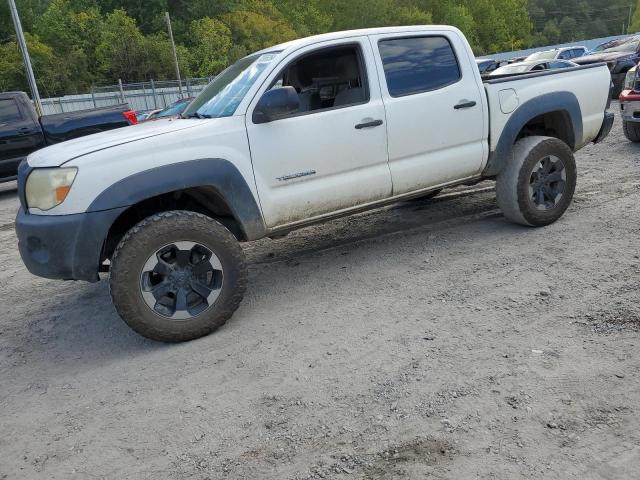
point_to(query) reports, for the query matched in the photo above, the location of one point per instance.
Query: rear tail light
(131, 117)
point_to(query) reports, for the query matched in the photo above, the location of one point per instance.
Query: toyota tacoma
(297, 134)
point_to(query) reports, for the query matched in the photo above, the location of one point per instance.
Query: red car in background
(630, 105)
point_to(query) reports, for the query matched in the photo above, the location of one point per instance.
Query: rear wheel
(631, 131)
(177, 276)
(537, 185)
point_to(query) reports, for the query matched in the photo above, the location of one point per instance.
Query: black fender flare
(548, 103)
(217, 173)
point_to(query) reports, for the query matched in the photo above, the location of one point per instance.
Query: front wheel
(177, 276)
(537, 185)
(631, 131)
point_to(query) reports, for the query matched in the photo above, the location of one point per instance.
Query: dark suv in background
(620, 58)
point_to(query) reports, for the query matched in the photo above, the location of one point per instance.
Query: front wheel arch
(203, 200)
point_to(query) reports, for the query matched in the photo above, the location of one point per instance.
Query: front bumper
(64, 247)
(607, 124)
(630, 106)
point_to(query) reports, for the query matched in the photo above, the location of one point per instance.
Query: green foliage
(212, 42)
(635, 22)
(78, 43)
(559, 21)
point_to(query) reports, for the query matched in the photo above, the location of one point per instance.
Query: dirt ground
(423, 340)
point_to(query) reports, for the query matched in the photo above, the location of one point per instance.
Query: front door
(331, 155)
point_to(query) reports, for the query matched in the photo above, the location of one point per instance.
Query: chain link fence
(144, 96)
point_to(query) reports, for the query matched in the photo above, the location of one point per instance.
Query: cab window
(418, 64)
(9, 111)
(327, 79)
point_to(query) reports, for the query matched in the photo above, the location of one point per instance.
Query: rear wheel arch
(556, 115)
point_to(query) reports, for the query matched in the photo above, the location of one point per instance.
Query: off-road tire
(512, 184)
(153, 233)
(631, 131)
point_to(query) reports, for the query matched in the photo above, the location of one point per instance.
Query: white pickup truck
(296, 134)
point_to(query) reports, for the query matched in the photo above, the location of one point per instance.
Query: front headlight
(630, 79)
(48, 187)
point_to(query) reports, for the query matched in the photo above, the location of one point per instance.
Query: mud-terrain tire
(537, 185)
(427, 196)
(631, 131)
(177, 276)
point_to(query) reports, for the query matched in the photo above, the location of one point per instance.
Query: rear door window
(9, 111)
(418, 64)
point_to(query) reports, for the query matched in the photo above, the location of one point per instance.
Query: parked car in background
(173, 110)
(564, 53)
(488, 65)
(630, 105)
(532, 66)
(144, 115)
(22, 132)
(620, 58)
(516, 59)
(605, 45)
(296, 134)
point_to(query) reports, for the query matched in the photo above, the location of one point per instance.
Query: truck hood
(58, 154)
(601, 57)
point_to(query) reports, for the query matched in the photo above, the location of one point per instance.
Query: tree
(121, 50)
(211, 44)
(552, 32)
(103, 40)
(253, 31)
(635, 22)
(51, 79)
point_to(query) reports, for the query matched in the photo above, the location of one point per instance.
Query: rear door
(331, 155)
(19, 135)
(436, 122)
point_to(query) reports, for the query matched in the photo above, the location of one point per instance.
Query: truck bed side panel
(580, 93)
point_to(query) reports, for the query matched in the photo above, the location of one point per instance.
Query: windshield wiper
(197, 115)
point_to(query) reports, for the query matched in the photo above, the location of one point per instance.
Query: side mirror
(275, 104)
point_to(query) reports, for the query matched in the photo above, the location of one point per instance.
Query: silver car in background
(532, 66)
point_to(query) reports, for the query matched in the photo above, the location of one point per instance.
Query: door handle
(371, 124)
(465, 104)
(25, 131)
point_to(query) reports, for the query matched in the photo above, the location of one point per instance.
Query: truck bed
(586, 88)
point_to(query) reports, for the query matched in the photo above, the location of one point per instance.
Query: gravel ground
(422, 340)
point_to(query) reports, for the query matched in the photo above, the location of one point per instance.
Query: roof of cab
(300, 42)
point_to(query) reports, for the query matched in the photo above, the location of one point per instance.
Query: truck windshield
(223, 95)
